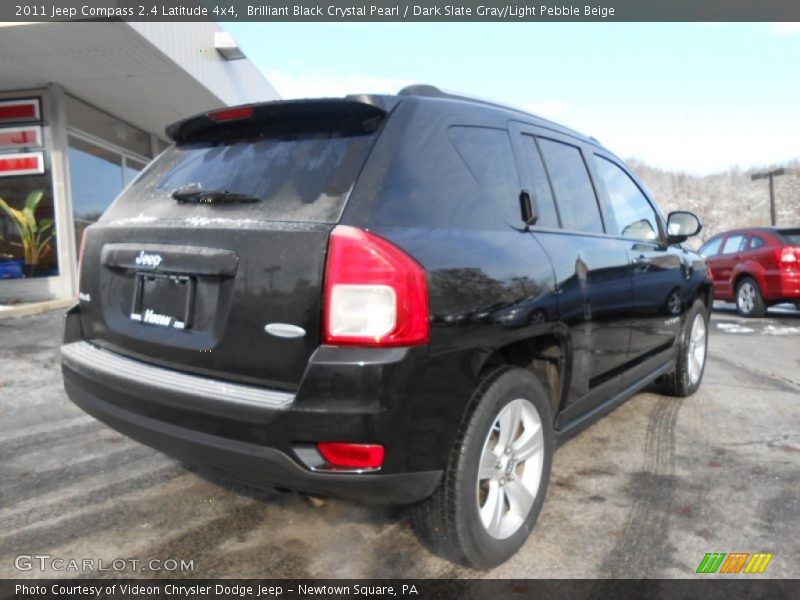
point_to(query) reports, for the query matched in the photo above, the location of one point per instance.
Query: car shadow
(378, 514)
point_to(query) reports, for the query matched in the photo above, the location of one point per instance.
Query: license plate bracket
(163, 300)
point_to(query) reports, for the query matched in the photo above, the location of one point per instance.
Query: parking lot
(645, 492)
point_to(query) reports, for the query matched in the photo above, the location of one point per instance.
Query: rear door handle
(641, 261)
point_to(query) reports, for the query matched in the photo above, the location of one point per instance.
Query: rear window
(541, 186)
(734, 243)
(790, 236)
(425, 176)
(573, 189)
(303, 179)
(490, 159)
(711, 247)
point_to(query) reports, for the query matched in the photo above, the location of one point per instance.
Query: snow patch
(734, 328)
(133, 220)
(203, 221)
(773, 330)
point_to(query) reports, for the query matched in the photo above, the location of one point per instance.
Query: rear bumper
(243, 432)
(790, 285)
(780, 285)
(174, 389)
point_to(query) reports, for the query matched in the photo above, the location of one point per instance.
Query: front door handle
(641, 264)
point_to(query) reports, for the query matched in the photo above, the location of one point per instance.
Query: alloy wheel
(746, 297)
(510, 468)
(674, 303)
(696, 350)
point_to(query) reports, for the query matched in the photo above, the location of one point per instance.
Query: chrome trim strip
(284, 330)
(83, 356)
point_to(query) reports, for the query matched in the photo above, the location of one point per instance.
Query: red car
(755, 267)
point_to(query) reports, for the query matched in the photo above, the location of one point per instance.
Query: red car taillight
(351, 456)
(375, 294)
(787, 256)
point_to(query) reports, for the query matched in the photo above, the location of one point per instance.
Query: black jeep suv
(400, 299)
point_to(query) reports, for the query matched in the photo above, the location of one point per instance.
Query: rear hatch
(212, 260)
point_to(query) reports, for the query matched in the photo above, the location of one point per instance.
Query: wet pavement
(645, 492)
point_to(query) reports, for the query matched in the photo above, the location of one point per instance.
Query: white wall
(191, 46)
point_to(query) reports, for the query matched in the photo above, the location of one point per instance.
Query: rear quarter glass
(790, 236)
(298, 179)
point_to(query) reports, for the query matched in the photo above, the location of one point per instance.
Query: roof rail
(421, 89)
(431, 91)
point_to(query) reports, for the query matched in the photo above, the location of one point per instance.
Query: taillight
(230, 114)
(351, 456)
(788, 256)
(80, 259)
(375, 294)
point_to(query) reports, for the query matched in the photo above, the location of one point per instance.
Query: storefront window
(27, 249)
(106, 127)
(132, 169)
(99, 169)
(27, 220)
(97, 175)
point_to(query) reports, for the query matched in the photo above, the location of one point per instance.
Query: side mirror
(681, 225)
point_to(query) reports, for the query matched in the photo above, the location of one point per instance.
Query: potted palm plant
(35, 236)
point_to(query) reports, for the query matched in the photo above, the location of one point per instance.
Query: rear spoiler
(346, 116)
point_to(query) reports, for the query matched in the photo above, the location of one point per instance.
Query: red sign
(20, 137)
(26, 163)
(19, 111)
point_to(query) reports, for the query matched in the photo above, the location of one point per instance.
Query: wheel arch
(546, 355)
(753, 271)
(705, 293)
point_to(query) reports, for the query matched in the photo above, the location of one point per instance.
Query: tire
(749, 301)
(692, 355)
(449, 523)
(673, 305)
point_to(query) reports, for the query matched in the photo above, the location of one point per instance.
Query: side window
(540, 186)
(756, 242)
(572, 187)
(634, 216)
(711, 247)
(734, 243)
(490, 159)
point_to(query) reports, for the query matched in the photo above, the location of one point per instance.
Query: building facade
(83, 107)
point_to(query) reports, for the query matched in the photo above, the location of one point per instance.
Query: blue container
(11, 269)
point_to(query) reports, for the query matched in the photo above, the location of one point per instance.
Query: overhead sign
(21, 137)
(20, 111)
(22, 163)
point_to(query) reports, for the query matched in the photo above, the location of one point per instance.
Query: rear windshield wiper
(196, 194)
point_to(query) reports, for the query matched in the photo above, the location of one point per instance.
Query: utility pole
(771, 175)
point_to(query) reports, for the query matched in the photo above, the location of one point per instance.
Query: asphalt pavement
(645, 492)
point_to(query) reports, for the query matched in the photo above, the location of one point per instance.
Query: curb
(34, 308)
